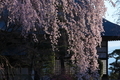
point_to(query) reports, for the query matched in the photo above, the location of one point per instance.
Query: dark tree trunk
(36, 75)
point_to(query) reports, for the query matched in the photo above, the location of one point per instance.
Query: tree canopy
(115, 66)
(82, 20)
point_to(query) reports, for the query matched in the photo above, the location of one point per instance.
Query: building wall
(16, 74)
(102, 52)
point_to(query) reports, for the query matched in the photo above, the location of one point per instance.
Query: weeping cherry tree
(82, 20)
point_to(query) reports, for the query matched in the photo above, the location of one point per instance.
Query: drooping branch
(82, 20)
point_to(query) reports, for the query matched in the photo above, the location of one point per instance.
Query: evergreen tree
(115, 66)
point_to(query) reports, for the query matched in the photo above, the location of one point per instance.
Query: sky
(112, 45)
(110, 13)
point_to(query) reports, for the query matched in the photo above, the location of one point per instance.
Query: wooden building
(112, 32)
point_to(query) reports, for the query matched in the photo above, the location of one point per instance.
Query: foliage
(117, 12)
(115, 66)
(114, 76)
(41, 57)
(115, 4)
(100, 71)
(20, 53)
(82, 20)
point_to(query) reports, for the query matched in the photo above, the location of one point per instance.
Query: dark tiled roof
(111, 29)
(14, 51)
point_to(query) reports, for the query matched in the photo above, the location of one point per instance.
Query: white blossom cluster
(82, 19)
